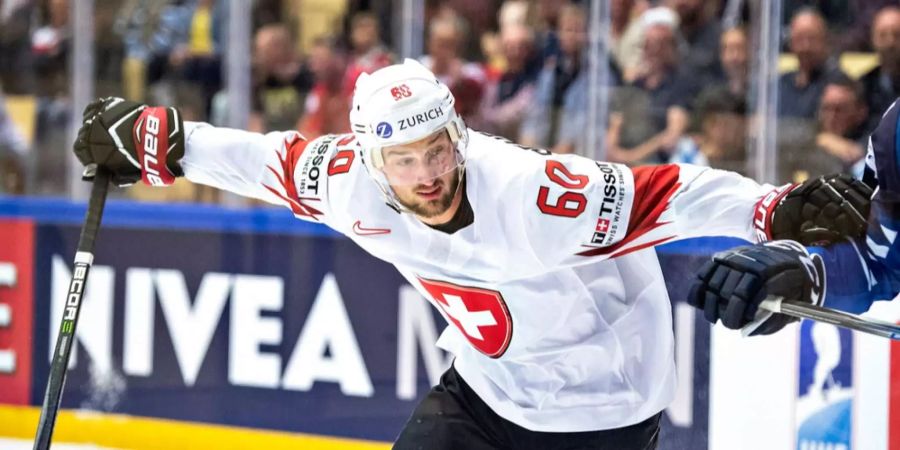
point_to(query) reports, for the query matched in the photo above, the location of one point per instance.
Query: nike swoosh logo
(361, 231)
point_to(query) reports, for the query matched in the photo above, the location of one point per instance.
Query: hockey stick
(84, 258)
(832, 316)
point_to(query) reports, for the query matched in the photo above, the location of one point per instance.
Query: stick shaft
(832, 316)
(84, 258)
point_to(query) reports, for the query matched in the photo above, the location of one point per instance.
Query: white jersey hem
(569, 420)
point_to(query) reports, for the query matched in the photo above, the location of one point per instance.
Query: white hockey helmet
(400, 104)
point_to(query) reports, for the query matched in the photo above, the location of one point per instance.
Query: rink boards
(225, 328)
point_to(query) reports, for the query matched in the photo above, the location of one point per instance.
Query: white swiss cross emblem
(602, 225)
(480, 314)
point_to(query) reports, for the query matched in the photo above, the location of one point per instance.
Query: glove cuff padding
(812, 290)
(764, 211)
(158, 136)
(819, 211)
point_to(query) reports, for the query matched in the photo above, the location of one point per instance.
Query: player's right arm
(152, 144)
(581, 210)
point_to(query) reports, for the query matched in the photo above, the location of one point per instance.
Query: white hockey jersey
(560, 319)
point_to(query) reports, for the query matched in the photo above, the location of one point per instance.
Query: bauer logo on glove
(132, 140)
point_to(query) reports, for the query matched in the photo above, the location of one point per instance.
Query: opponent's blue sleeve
(862, 271)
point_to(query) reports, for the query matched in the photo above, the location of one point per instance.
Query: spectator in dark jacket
(862, 14)
(558, 117)
(800, 90)
(701, 33)
(508, 98)
(651, 114)
(281, 82)
(15, 46)
(838, 141)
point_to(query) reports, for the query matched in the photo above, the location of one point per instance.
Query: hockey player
(859, 271)
(542, 264)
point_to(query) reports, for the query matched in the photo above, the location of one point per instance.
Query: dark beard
(437, 207)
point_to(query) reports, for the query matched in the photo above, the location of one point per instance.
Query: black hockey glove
(132, 140)
(819, 211)
(732, 285)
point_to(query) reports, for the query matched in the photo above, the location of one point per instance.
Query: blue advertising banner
(245, 321)
(265, 331)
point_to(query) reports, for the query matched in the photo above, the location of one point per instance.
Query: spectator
(508, 98)
(625, 36)
(734, 50)
(465, 79)
(882, 84)
(720, 133)
(197, 59)
(281, 82)
(800, 91)
(326, 106)
(149, 30)
(557, 119)
(836, 13)
(367, 52)
(512, 13)
(650, 115)
(856, 38)
(474, 18)
(842, 122)
(838, 142)
(734, 58)
(13, 154)
(50, 50)
(701, 32)
(15, 46)
(547, 14)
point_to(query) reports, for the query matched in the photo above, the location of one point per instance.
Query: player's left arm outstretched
(153, 145)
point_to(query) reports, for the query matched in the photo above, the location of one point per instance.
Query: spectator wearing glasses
(837, 141)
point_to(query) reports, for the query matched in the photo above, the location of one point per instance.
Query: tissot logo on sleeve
(479, 314)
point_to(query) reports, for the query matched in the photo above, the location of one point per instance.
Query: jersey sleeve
(281, 168)
(585, 210)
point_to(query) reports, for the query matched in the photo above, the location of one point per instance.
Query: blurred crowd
(679, 74)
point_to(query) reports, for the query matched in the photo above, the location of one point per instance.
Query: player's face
(424, 175)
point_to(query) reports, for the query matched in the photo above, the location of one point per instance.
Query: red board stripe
(894, 399)
(17, 248)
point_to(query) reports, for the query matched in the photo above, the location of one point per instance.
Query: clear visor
(412, 165)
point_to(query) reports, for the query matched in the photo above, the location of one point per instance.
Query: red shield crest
(479, 314)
